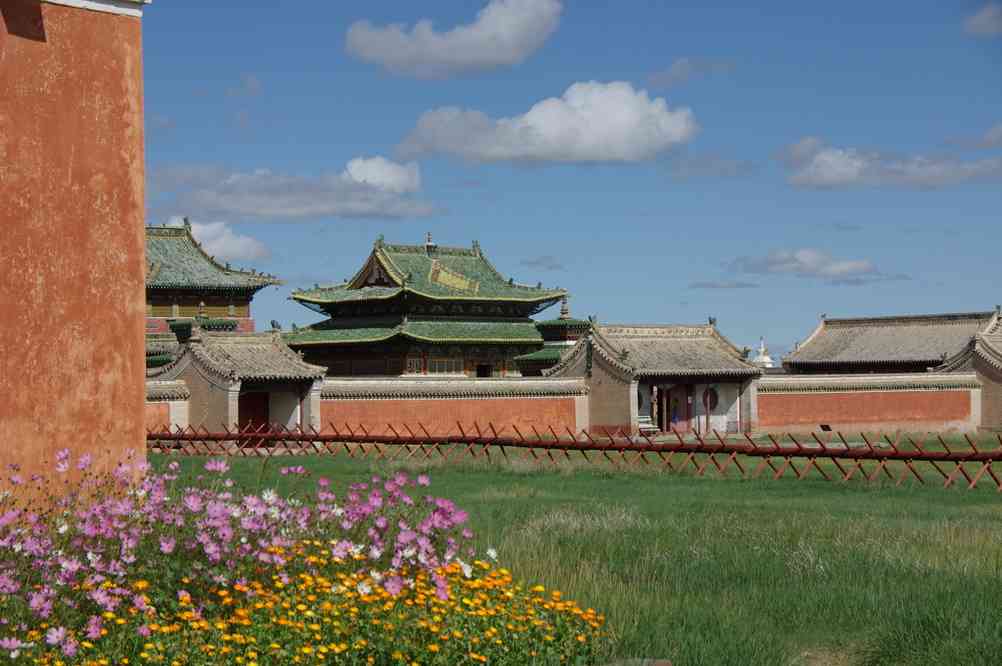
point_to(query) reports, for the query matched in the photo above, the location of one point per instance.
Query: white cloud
(385, 174)
(814, 164)
(366, 187)
(685, 69)
(591, 122)
(813, 263)
(219, 240)
(505, 32)
(987, 22)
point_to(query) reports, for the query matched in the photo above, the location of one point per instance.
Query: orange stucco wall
(440, 416)
(881, 410)
(71, 210)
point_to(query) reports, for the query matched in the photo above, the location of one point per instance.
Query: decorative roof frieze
(855, 383)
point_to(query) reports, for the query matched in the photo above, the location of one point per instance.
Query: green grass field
(711, 571)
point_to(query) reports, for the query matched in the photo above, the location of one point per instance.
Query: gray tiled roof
(254, 356)
(163, 391)
(676, 351)
(909, 339)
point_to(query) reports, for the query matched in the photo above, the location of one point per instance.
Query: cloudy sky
(665, 163)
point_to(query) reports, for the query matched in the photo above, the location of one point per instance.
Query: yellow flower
(433, 647)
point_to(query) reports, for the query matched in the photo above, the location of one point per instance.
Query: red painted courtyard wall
(71, 210)
(865, 410)
(440, 416)
(157, 415)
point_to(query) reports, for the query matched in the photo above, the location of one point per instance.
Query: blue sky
(665, 162)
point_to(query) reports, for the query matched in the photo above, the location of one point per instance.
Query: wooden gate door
(252, 410)
(678, 410)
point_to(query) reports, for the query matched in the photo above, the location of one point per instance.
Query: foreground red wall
(71, 210)
(884, 410)
(440, 416)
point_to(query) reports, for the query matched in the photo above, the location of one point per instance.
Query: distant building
(423, 310)
(910, 343)
(244, 380)
(662, 378)
(184, 282)
(911, 373)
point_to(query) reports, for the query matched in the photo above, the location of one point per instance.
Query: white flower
(363, 589)
(492, 554)
(376, 576)
(269, 496)
(63, 529)
(409, 552)
(357, 549)
(467, 569)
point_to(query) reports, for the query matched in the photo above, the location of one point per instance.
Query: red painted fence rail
(897, 459)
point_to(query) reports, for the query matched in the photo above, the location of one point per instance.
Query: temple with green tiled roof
(183, 281)
(423, 309)
(559, 335)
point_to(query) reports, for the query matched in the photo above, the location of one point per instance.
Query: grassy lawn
(710, 571)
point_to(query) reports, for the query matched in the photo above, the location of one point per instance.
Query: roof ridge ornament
(565, 309)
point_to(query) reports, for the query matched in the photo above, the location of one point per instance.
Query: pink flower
(423, 480)
(93, 631)
(218, 465)
(167, 545)
(84, 462)
(394, 585)
(55, 635)
(70, 647)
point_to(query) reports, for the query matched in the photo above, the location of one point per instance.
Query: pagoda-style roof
(242, 356)
(430, 271)
(175, 260)
(434, 330)
(643, 350)
(901, 340)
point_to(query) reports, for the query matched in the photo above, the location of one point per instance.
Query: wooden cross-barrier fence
(960, 460)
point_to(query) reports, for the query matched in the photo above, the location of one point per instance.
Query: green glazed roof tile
(434, 272)
(545, 355)
(175, 260)
(333, 332)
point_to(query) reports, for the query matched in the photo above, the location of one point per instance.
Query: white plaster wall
(178, 411)
(283, 408)
(725, 418)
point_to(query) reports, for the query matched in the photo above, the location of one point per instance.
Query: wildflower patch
(158, 571)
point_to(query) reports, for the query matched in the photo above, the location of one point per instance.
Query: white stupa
(762, 359)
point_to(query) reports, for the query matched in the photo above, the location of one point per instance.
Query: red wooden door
(252, 410)
(678, 408)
